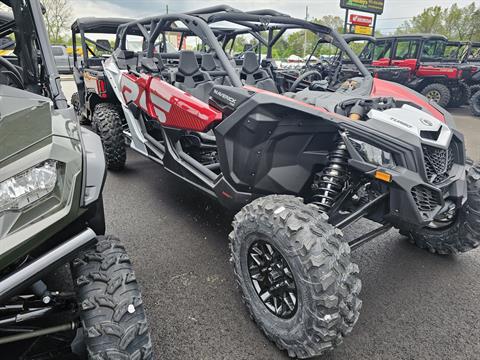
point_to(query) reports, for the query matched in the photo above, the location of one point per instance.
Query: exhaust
(35, 270)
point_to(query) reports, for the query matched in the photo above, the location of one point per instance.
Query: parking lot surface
(415, 305)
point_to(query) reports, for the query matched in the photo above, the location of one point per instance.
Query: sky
(396, 11)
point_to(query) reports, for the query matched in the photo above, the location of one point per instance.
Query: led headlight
(29, 186)
(373, 154)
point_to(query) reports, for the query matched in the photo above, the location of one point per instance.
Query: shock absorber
(329, 183)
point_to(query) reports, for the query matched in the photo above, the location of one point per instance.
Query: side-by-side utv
(300, 163)
(94, 37)
(52, 222)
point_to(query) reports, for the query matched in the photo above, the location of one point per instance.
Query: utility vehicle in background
(364, 47)
(52, 173)
(439, 80)
(95, 37)
(301, 163)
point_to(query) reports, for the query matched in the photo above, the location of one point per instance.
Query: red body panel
(168, 104)
(381, 62)
(382, 88)
(427, 70)
(408, 63)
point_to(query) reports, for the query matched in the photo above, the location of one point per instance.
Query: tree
(454, 22)
(57, 18)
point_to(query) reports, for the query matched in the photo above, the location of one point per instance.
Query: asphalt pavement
(415, 305)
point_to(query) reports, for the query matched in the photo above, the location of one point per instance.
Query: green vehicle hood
(27, 119)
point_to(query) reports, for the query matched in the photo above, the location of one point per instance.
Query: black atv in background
(52, 173)
(92, 89)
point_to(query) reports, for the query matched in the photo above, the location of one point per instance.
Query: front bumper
(416, 198)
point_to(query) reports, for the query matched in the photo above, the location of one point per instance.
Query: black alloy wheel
(272, 279)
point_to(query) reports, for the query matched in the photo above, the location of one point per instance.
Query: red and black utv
(95, 37)
(440, 81)
(364, 47)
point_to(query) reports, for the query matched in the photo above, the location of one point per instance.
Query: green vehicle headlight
(29, 186)
(373, 154)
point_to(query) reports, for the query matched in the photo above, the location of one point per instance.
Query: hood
(27, 118)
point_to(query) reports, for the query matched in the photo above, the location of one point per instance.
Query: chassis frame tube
(36, 333)
(18, 280)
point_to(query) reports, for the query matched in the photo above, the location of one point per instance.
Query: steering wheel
(11, 72)
(316, 75)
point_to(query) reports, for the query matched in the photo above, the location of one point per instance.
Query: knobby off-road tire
(439, 93)
(462, 235)
(474, 89)
(475, 104)
(326, 280)
(461, 97)
(75, 101)
(107, 122)
(110, 303)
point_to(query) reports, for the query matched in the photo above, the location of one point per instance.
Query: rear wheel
(295, 274)
(107, 122)
(475, 104)
(462, 233)
(438, 93)
(111, 309)
(75, 101)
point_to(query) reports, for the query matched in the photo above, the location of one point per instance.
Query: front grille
(438, 162)
(426, 199)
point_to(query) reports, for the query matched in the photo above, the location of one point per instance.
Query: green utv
(52, 173)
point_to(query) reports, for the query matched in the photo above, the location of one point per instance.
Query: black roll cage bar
(199, 23)
(85, 26)
(30, 30)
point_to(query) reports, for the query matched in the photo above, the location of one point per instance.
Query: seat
(252, 74)
(191, 79)
(208, 63)
(125, 59)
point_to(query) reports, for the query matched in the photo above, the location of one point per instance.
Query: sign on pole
(363, 30)
(362, 20)
(370, 6)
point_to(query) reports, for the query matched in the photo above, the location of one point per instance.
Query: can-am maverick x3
(301, 165)
(51, 214)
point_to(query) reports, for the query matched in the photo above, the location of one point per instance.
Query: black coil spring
(329, 183)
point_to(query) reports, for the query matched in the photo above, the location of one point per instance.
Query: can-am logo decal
(231, 100)
(426, 122)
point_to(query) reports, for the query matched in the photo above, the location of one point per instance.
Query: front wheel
(110, 303)
(295, 274)
(438, 93)
(475, 104)
(463, 234)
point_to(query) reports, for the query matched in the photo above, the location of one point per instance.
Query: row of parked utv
(299, 155)
(447, 72)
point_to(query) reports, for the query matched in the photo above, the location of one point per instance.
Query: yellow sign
(363, 30)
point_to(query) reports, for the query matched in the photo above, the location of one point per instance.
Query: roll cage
(208, 24)
(92, 25)
(33, 54)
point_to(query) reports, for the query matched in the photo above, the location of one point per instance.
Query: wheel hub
(272, 279)
(434, 95)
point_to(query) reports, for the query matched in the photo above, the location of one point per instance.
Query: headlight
(374, 155)
(29, 186)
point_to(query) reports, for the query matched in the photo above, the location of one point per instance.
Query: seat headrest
(250, 62)
(188, 64)
(208, 62)
(124, 54)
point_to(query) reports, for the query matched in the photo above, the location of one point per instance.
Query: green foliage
(456, 23)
